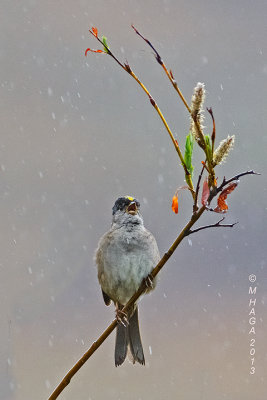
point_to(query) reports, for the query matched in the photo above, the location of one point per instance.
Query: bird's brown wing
(106, 298)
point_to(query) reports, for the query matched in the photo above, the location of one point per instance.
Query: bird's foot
(149, 281)
(121, 317)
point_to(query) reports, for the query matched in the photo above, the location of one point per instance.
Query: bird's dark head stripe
(122, 202)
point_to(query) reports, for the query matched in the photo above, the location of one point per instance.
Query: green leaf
(104, 40)
(208, 146)
(188, 153)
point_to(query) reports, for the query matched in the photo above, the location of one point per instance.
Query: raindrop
(50, 91)
(47, 384)
(160, 178)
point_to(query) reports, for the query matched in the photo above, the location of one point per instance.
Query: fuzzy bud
(198, 99)
(196, 112)
(223, 149)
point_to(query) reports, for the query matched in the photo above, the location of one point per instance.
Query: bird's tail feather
(121, 344)
(135, 342)
(128, 338)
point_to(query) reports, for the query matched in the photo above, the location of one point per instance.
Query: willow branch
(185, 232)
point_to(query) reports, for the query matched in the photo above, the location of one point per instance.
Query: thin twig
(128, 69)
(168, 73)
(215, 190)
(216, 225)
(108, 51)
(194, 117)
(213, 135)
(195, 206)
(235, 178)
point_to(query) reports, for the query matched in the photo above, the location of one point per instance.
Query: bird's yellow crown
(129, 198)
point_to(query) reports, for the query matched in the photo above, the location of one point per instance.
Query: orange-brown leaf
(205, 192)
(93, 51)
(94, 30)
(175, 204)
(222, 206)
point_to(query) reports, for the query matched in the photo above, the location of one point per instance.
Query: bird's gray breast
(128, 258)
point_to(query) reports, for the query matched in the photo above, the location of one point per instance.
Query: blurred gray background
(76, 133)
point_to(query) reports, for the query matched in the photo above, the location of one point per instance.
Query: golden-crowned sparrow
(125, 256)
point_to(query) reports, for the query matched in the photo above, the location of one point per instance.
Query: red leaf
(93, 51)
(175, 204)
(94, 30)
(222, 206)
(205, 193)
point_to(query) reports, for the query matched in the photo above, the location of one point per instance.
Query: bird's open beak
(132, 208)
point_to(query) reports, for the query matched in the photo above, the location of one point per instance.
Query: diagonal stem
(67, 378)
